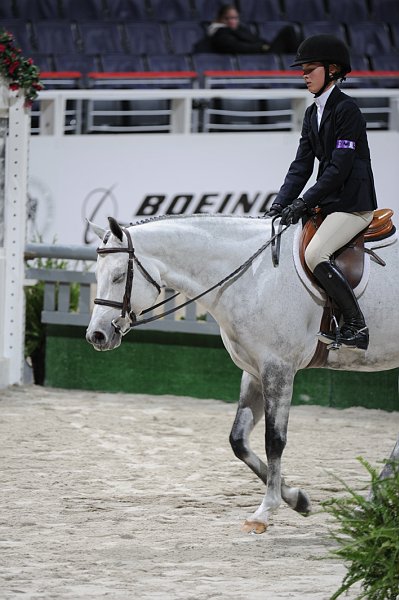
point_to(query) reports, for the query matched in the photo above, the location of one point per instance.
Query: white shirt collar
(321, 101)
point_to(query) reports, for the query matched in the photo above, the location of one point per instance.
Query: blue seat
(54, 36)
(258, 62)
(395, 35)
(37, 10)
(253, 11)
(43, 61)
(145, 38)
(21, 32)
(172, 10)
(268, 31)
(387, 62)
(304, 10)
(7, 9)
(115, 63)
(213, 62)
(77, 62)
(330, 27)
(287, 60)
(80, 10)
(348, 11)
(100, 38)
(168, 62)
(184, 36)
(369, 38)
(127, 10)
(359, 62)
(206, 10)
(385, 10)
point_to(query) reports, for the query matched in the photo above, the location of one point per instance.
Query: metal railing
(60, 285)
(187, 111)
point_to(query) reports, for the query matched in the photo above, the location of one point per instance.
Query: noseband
(122, 324)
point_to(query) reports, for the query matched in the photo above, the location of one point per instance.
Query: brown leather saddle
(349, 259)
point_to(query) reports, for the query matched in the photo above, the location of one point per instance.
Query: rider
(333, 131)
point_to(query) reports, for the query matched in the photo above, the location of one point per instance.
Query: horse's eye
(118, 278)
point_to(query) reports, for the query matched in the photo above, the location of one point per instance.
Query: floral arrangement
(20, 72)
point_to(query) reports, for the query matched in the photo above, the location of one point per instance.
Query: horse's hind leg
(393, 463)
(250, 411)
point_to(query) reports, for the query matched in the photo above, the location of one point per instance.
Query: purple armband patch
(346, 144)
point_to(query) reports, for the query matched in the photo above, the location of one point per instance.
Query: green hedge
(195, 365)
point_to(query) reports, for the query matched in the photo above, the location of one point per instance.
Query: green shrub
(35, 331)
(368, 537)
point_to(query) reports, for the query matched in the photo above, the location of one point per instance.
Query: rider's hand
(292, 213)
(274, 211)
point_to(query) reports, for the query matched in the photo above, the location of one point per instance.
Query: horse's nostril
(97, 337)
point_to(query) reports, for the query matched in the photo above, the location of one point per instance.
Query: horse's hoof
(254, 527)
(303, 505)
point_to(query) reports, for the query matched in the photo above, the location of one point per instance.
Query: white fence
(185, 111)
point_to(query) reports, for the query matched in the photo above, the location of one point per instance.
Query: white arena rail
(186, 111)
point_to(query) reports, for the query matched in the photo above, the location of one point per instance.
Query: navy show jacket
(345, 180)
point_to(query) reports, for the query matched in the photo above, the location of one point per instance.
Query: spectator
(226, 35)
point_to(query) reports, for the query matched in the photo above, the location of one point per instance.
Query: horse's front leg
(277, 384)
(250, 410)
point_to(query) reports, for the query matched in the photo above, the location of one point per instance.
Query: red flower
(14, 86)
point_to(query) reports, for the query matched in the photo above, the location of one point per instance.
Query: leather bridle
(128, 318)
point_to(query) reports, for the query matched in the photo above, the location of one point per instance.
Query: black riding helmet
(328, 50)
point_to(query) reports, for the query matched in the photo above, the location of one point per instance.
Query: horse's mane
(189, 216)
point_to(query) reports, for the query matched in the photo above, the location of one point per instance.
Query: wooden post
(14, 143)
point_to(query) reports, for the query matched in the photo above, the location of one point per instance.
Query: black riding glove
(292, 213)
(274, 211)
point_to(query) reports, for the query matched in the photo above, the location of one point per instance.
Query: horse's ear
(115, 228)
(97, 230)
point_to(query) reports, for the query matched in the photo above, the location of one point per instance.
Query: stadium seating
(172, 10)
(214, 62)
(206, 10)
(184, 36)
(369, 38)
(259, 62)
(385, 10)
(22, 33)
(268, 31)
(37, 10)
(80, 10)
(348, 11)
(253, 11)
(7, 9)
(115, 63)
(146, 38)
(169, 62)
(160, 35)
(131, 10)
(54, 37)
(304, 10)
(330, 27)
(96, 38)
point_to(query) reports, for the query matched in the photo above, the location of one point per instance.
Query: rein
(128, 318)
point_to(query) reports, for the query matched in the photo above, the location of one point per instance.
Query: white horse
(268, 319)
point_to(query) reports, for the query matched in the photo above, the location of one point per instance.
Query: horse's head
(124, 287)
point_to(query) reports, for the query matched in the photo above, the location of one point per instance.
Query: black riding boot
(354, 332)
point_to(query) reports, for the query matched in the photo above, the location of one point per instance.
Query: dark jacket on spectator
(234, 41)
